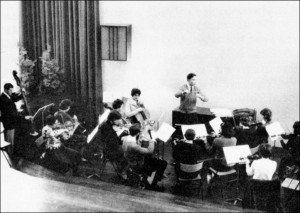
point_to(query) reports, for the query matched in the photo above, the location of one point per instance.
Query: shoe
(34, 133)
(123, 175)
(156, 188)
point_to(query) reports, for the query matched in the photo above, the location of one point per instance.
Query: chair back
(190, 168)
(266, 194)
(254, 150)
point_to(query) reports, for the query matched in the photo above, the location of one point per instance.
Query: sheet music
(164, 132)
(92, 134)
(236, 154)
(108, 97)
(104, 116)
(216, 124)
(221, 112)
(291, 184)
(3, 142)
(274, 130)
(200, 129)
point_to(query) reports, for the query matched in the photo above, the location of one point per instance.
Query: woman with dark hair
(263, 168)
(261, 132)
(267, 116)
(57, 156)
(135, 109)
(226, 139)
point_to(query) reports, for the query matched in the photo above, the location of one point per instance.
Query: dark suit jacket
(9, 113)
(108, 140)
(189, 153)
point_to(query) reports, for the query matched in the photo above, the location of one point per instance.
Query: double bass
(19, 83)
(26, 107)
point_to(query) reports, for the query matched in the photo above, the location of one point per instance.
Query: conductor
(188, 94)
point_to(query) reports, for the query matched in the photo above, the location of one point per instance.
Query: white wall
(246, 54)
(10, 14)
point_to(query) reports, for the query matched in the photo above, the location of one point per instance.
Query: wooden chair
(183, 180)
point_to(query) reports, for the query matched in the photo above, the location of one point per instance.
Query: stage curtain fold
(72, 29)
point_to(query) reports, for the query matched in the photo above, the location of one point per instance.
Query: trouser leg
(10, 137)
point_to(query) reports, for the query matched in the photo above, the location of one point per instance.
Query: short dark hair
(265, 150)
(266, 113)
(135, 91)
(227, 130)
(296, 125)
(7, 86)
(117, 104)
(190, 75)
(190, 134)
(113, 116)
(134, 129)
(64, 104)
(50, 120)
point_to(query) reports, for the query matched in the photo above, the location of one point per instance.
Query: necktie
(191, 88)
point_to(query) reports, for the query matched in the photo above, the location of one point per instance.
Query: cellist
(135, 110)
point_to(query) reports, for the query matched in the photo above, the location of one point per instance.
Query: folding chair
(225, 179)
(105, 160)
(183, 180)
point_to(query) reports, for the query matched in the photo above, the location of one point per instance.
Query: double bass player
(10, 116)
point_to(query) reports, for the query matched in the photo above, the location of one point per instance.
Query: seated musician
(10, 116)
(73, 141)
(293, 146)
(263, 168)
(140, 160)
(189, 151)
(261, 129)
(62, 115)
(110, 142)
(118, 106)
(56, 155)
(134, 109)
(226, 139)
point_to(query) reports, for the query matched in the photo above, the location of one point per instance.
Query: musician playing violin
(135, 110)
(9, 114)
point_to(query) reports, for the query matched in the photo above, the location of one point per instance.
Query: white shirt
(262, 169)
(7, 94)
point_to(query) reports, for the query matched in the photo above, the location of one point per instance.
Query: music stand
(39, 117)
(293, 184)
(236, 155)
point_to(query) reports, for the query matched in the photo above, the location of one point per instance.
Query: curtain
(72, 29)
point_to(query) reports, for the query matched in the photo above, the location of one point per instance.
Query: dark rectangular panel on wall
(114, 41)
